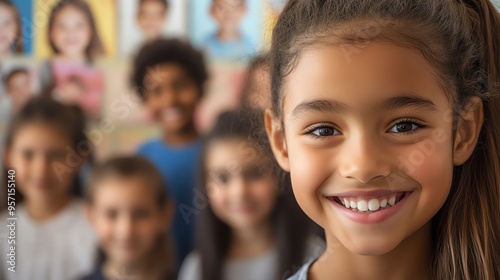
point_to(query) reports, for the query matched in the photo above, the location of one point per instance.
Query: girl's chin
(371, 247)
(72, 53)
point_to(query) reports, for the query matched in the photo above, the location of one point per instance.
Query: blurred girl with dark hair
(251, 226)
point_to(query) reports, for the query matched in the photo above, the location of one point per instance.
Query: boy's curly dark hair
(163, 51)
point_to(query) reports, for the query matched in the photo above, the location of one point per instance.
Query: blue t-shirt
(178, 166)
(235, 49)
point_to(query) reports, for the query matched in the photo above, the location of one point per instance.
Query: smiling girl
(73, 33)
(385, 113)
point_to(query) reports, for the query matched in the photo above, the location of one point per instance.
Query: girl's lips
(370, 217)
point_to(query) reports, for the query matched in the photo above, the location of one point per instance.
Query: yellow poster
(103, 12)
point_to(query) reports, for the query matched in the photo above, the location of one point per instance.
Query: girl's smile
(369, 209)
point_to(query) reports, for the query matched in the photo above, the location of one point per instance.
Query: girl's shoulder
(191, 267)
(303, 271)
(315, 246)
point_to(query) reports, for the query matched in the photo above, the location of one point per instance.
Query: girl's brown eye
(253, 174)
(27, 155)
(324, 131)
(406, 126)
(222, 177)
(111, 214)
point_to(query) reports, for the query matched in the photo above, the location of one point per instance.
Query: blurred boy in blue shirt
(169, 75)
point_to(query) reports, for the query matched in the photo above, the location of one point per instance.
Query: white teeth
(373, 204)
(362, 206)
(346, 203)
(383, 203)
(354, 205)
(392, 201)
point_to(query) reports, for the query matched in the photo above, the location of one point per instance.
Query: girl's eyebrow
(407, 101)
(392, 103)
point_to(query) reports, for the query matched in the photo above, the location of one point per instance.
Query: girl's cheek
(308, 170)
(22, 170)
(85, 35)
(217, 198)
(264, 191)
(56, 37)
(432, 168)
(103, 227)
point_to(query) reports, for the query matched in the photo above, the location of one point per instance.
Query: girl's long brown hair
(461, 39)
(95, 47)
(18, 41)
(291, 227)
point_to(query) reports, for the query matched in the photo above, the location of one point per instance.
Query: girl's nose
(124, 226)
(238, 187)
(41, 167)
(364, 159)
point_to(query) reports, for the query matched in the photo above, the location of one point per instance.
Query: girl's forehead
(69, 12)
(41, 134)
(361, 76)
(232, 152)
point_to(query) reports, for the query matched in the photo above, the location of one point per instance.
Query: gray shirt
(263, 267)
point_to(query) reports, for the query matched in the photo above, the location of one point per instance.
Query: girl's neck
(410, 260)
(141, 270)
(41, 211)
(251, 242)
(181, 138)
(66, 59)
(228, 34)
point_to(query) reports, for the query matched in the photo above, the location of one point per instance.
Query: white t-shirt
(263, 267)
(63, 248)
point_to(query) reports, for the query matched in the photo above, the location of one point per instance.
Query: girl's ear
(276, 137)
(468, 129)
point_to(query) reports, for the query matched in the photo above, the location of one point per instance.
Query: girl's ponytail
(485, 23)
(467, 226)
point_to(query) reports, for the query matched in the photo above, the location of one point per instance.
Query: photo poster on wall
(223, 92)
(79, 84)
(142, 21)
(102, 12)
(19, 17)
(226, 29)
(19, 81)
